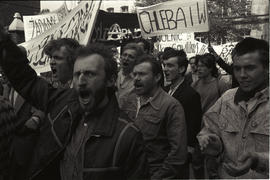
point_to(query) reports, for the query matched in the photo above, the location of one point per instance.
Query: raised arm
(22, 77)
(226, 67)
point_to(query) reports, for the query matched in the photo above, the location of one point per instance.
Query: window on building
(111, 10)
(124, 9)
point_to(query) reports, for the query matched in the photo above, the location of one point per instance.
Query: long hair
(209, 61)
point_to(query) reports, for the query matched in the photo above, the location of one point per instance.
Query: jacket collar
(242, 96)
(182, 86)
(156, 100)
(106, 116)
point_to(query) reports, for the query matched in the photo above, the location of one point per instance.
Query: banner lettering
(174, 17)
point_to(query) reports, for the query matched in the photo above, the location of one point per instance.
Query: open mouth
(138, 86)
(54, 71)
(84, 96)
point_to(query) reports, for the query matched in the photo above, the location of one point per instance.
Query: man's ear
(181, 69)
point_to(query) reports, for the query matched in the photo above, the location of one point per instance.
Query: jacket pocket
(229, 137)
(260, 136)
(149, 126)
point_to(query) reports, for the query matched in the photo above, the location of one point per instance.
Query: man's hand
(210, 144)
(32, 123)
(247, 161)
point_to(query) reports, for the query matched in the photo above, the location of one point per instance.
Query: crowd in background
(151, 117)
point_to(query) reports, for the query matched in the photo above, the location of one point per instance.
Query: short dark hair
(71, 46)
(105, 52)
(146, 44)
(156, 66)
(167, 49)
(209, 61)
(249, 45)
(181, 57)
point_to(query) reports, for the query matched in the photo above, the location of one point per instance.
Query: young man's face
(203, 70)
(89, 80)
(249, 71)
(171, 69)
(144, 79)
(128, 58)
(61, 70)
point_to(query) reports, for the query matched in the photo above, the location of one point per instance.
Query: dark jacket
(115, 150)
(191, 103)
(24, 139)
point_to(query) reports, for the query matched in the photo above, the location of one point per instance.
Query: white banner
(173, 17)
(225, 50)
(38, 24)
(78, 24)
(191, 46)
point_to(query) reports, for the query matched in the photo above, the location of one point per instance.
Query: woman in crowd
(210, 88)
(208, 85)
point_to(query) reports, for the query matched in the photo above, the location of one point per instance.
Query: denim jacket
(162, 122)
(240, 129)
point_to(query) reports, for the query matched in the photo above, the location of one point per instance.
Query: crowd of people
(150, 118)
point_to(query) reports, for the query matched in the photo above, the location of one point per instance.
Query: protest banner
(115, 26)
(78, 24)
(62, 11)
(225, 50)
(190, 46)
(37, 24)
(173, 17)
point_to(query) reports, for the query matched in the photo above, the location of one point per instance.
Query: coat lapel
(18, 103)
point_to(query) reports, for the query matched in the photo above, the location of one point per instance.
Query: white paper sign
(78, 24)
(173, 17)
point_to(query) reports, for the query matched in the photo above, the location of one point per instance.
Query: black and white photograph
(134, 89)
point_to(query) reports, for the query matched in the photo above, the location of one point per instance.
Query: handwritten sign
(174, 17)
(225, 51)
(190, 46)
(36, 25)
(78, 24)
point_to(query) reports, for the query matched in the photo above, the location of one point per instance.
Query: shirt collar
(263, 94)
(155, 101)
(173, 89)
